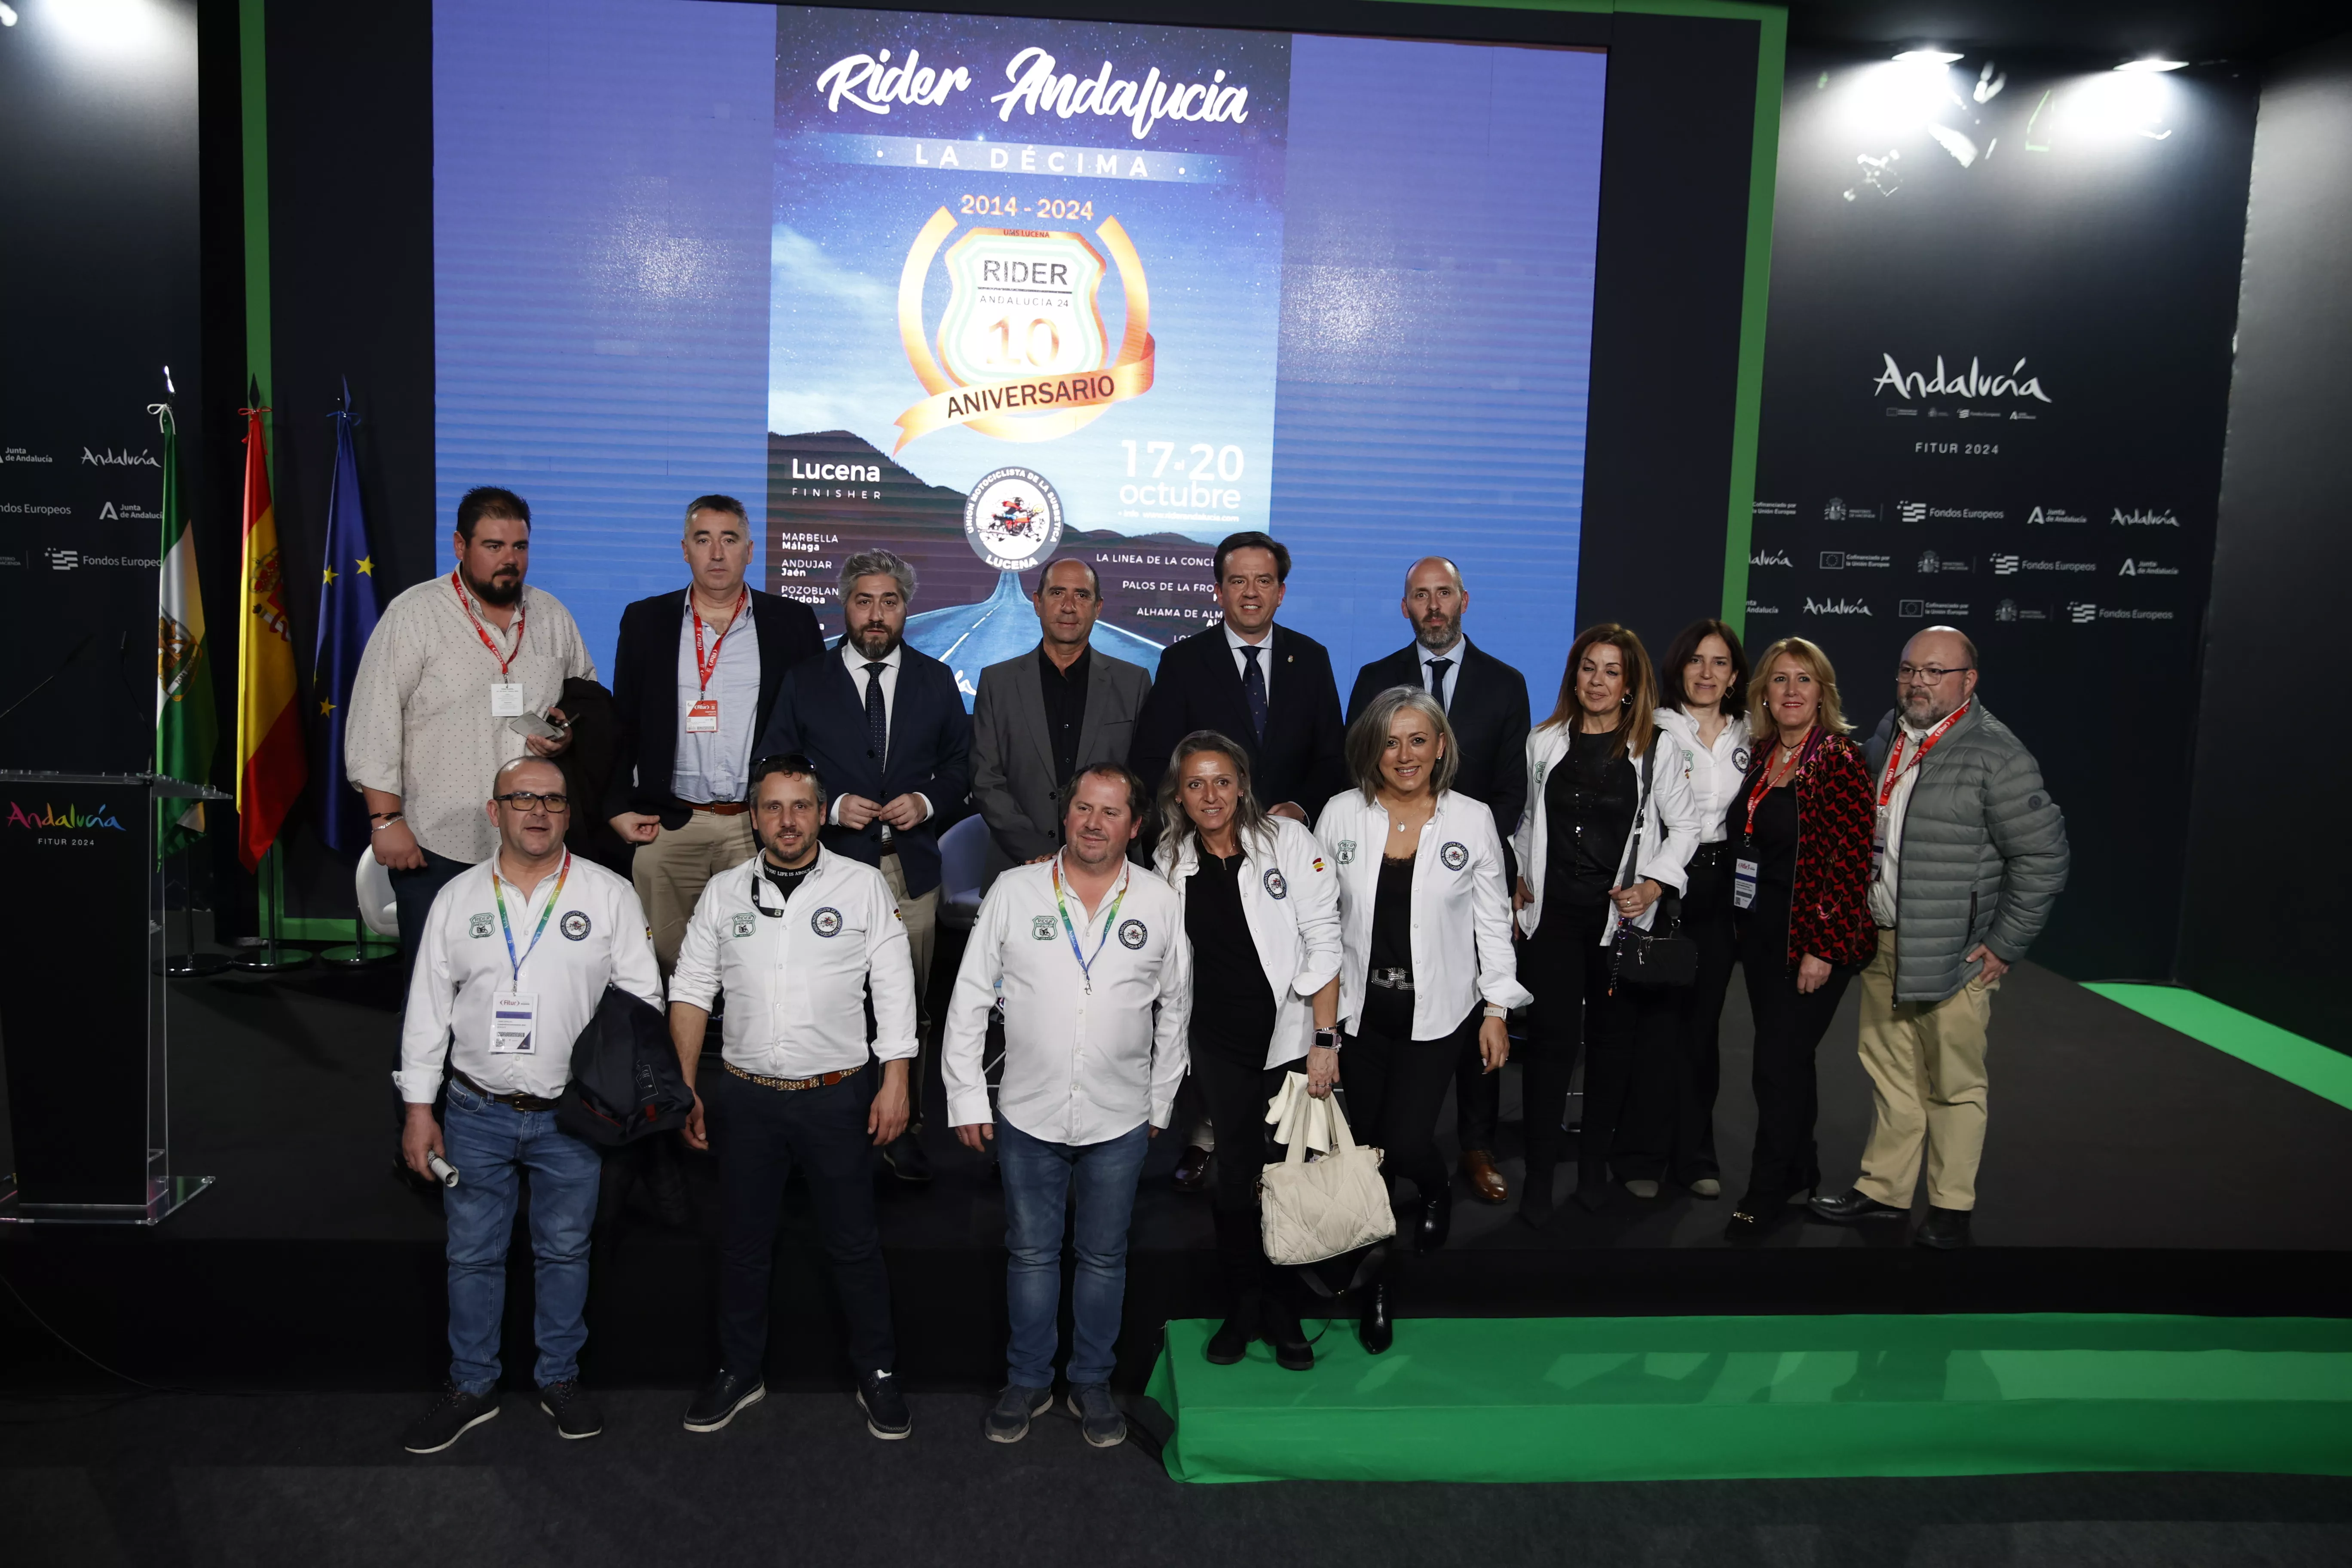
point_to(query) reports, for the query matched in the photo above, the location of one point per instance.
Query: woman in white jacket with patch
(1599, 774)
(1262, 912)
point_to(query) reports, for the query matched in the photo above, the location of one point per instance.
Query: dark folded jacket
(626, 1080)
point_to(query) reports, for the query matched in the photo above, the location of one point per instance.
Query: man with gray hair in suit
(1043, 717)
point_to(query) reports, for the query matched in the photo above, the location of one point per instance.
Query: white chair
(372, 885)
(963, 866)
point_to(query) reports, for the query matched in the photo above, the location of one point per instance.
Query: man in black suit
(1266, 685)
(887, 728)
(1486, 700)
(694, 680)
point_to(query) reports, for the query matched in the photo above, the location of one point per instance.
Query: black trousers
(1234, 1088)
(1395, 1090)
(1477, 1098)
(1627, 1041)
(759, 1135)
(1676, 1135)
(1789, 1029)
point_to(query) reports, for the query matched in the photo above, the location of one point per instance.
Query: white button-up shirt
(1886, 885)
(1082, 1063)
(1452, 672)
(714, 766)
(795, 970)
(595, 934)
(855, 663)
(1717, 771)
(1265, 646)
(1460, 911)
(420, 724)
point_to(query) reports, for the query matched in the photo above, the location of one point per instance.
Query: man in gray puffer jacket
(1972, 855)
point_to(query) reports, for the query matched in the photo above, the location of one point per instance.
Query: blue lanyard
(504, 929)
(1087, 964)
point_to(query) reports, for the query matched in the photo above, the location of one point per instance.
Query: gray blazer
(1012, 761)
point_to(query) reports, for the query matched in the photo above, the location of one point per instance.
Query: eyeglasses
(525, 800)
(1932, 674)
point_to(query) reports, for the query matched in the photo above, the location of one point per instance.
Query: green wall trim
(2305, 1063)
(253, 82)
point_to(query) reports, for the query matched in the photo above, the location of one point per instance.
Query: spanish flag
(270, 766)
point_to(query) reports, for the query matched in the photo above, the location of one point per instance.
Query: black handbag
(1664, 954)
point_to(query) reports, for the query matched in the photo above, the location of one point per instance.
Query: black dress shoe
(1436, 1221)
(907, 1160)
(1232, 1339)
(1192, 1169)
(1849, 1205)
(1945, 1229)
(1374, 1328)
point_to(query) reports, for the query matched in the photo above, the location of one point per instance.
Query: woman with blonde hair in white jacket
(1609, 826)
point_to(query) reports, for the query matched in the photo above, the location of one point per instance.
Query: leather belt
(518, 1102)
(719, 807)
(1392, 979)
(822, 1080)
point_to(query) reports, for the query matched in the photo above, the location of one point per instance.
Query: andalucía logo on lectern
(1022, 353)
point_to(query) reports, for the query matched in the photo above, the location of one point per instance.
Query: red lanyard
(466, 603)
(1926, 744)
(1764, 780)
(703, 666)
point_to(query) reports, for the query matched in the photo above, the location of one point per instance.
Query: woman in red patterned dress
(1799, 830)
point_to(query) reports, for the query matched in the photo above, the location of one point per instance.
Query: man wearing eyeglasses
(1969, 854)
(798, 938)
(511, 964)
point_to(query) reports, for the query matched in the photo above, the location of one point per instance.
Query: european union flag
(347, 612)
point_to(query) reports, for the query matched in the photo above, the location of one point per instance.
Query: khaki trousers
(1927, 1066)
(671, 872)
(922, 918)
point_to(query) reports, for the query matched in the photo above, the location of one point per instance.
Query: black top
(1232, 1006)
(1066, 707)
(1388, 1012)
(784, 881)
(1773, 848)
(1589, 802)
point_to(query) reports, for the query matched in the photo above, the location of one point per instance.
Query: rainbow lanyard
(552, 899)
(1110, 917)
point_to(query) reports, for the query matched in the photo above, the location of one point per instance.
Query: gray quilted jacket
(1984, 854)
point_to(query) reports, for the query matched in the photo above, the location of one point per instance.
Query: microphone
(73, 656)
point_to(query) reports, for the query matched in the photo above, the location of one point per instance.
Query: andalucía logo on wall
(1918, 387)
(1835, 608)
(1771, 558)
(48, 819)
(2164, 519)
(107, 457)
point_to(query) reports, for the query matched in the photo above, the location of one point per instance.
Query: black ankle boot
(1230, 1342)
(1279, 1326)
(1436, 1220)
(1237, 1254)
(1374, 1328)
(1535, 1193)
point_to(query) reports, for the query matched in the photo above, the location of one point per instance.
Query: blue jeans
(491, 1145)
(1037, 1179)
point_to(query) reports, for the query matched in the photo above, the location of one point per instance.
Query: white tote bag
(1336, 1204)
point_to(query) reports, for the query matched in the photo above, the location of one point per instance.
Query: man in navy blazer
(1485, 702)
(887, 730)
(694, 681)
(1264, 684)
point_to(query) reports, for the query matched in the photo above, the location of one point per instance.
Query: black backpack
(626, 1080)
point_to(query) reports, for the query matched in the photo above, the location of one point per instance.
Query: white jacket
(1461, 910)
(1668, 822)
(1717, 771)
(1291, 899)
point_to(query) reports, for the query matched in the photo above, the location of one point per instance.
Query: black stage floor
(2128, 1168)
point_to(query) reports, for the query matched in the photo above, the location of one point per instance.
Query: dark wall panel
(2265, 925)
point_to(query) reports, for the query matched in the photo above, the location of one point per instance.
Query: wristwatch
(1327, 1040)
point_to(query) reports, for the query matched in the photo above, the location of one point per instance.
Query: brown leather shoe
(1484, 1180)
(1192, 1169)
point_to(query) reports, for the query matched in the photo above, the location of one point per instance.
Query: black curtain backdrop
(1995, 391)
(2263, 926)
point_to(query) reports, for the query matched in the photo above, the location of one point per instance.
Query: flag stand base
(270, 958)
(195, 965)
(357, 955)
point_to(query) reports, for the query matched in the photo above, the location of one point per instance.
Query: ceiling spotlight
(7, 15)
(1926, 57)
(2151, 64)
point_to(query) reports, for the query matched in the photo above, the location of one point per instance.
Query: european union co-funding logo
(48, 819)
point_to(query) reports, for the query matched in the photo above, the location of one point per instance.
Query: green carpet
(1561, 1399)
(2306, 1064)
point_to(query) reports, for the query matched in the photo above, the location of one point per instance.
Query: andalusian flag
(270, 766)
(186, 725)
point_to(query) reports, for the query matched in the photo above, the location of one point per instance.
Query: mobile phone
(539, 725)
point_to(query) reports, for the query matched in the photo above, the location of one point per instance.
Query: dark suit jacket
(645, 692)
(1199, 686)
(1489, 715)
(1012, 772)
(822, 713)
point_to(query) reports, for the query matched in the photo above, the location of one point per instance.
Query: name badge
(1743, 884)
(505, 698)
(1878, 844)
(702, 719)
(514, 1018)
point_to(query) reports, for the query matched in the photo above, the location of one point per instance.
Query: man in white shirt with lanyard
(512, 963)
(796, 936)
(1084, 948)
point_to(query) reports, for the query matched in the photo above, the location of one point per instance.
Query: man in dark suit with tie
(887, 730)
(1043, 717)
(694, 681)
(1267, 686)
(1485, 702)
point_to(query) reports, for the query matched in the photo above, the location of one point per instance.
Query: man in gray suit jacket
(1040, 717)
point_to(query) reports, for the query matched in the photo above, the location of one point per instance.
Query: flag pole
(270, 764)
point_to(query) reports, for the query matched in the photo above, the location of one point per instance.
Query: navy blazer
(822, 713)
(645, 692)
(1489, 715)
(1199, 686)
